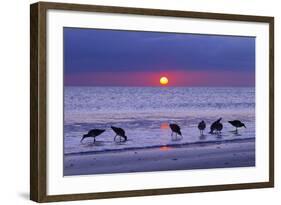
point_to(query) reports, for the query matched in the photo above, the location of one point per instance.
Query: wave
(138, 99)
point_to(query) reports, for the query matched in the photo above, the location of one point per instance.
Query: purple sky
(95, 57)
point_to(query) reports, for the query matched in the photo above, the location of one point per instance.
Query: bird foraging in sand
(201, 127)
(93, 133)
(119, 132)
(175, 129)
(237, 124)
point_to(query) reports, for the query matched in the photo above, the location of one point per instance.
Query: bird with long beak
(119, 132)
(93, 133)
(237, 124)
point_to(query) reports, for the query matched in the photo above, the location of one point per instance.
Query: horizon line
(158, 86)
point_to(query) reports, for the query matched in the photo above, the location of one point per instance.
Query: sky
(98, 57)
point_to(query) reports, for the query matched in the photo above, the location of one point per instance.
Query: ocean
(145, 113)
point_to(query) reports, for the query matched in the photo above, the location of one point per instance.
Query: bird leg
(115, 137)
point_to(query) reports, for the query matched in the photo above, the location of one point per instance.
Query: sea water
(145, 113)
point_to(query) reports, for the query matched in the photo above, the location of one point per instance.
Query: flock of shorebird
(96, 132)
(215, 128)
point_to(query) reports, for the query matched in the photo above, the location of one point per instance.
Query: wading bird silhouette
(93, 133)
(175, 129)
(216, 126)
(237, 124)
(119, 132)
(201, 127)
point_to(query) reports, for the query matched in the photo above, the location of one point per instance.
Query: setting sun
(164, 80)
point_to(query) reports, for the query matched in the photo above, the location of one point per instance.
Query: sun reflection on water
(164, 125)
(165, 148)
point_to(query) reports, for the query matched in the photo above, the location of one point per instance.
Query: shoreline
(186, 144)
(205, 155)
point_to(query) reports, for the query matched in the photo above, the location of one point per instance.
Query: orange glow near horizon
(164, 80)
(151, 78)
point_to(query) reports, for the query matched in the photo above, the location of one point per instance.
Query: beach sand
(202, 156)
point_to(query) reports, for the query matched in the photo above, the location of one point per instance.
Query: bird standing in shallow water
(201, 127)
(175, 129)
(236, 124)
(119, 132)
(219, 127)
(93, 133)
(214, 126)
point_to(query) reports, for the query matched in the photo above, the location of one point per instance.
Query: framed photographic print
(134, 102)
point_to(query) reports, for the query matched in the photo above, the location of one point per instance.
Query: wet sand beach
(199, 156)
